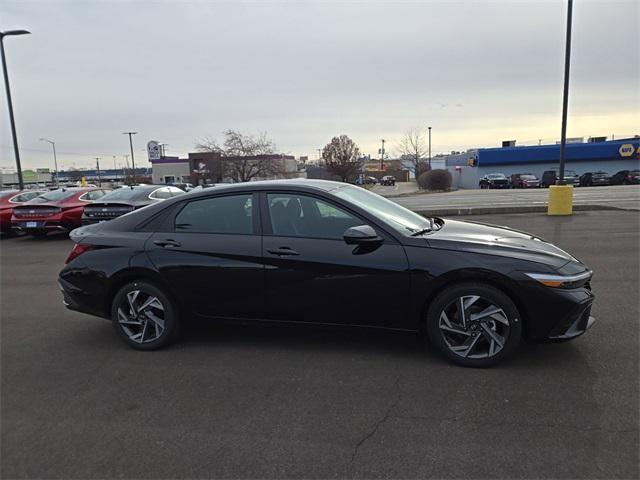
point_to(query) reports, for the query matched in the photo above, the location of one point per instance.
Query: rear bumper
(40, 226)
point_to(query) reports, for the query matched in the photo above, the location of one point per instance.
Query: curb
(516, 209)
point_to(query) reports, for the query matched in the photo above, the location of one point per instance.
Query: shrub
(435, 180)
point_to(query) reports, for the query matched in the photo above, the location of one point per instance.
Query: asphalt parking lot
(255, 402)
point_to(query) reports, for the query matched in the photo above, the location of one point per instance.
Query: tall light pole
(561, 194)
(429, 147)
(6, 86)
(133, 162)
(382, 155)
(565, 94)
(55, 160)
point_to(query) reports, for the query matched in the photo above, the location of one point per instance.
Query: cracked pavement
(239, 402)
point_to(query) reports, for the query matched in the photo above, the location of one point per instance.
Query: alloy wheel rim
(474, 327)
(141, 316)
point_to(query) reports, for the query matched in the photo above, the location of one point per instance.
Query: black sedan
(313, 252)
(126, 199)
(591, 179)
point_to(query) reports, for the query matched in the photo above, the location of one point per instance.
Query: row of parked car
(39, 212)
(551, 177)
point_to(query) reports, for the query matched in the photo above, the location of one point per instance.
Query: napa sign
(626, 150)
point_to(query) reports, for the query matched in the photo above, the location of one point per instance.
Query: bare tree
(245, 157)
(413, 148)
(342, 157)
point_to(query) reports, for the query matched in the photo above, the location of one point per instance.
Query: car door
(312, 275)
(208, 250)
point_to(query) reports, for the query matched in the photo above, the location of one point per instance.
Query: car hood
(497, 240)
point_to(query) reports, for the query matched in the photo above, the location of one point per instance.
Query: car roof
(294, 183)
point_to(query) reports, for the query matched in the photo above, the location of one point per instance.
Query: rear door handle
(166, 243)
(283, 251)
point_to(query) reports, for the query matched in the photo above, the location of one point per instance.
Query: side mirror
(361, 235)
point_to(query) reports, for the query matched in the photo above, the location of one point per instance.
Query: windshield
(528, 177)
(496, 175)
(126, 193)
(403, 220)
(54, 196)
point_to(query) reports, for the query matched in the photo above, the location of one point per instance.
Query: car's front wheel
(144, 316)
(474, 325)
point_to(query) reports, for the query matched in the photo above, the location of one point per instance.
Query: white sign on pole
(153, 150)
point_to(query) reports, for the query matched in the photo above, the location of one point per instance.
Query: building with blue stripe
(609, 156)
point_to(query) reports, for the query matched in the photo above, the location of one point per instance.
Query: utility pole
(98, 171)
(429, 147)
(319, 155)
(9, 103)
(382, 155)
(55, 160)
(133, 161)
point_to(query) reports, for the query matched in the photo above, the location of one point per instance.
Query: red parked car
(10, 199)
(59, 210)
(524, 180)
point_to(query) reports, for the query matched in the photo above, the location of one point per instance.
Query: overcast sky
(177, 71)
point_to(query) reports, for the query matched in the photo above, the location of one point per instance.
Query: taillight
(77, 250)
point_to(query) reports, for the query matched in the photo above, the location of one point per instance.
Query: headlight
(562, 281)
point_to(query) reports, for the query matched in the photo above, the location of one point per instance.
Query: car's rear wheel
(474, 325)
(144, 316)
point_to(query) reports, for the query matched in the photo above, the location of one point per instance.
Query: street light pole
(98, 171)
(565, 94)
(8, 89)
(382, 155)
(429, 147)
(133, 161)
(55, 160)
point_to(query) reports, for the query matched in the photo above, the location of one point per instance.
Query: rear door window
(230, 214)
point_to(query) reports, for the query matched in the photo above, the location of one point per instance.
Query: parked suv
(550, 177)
(494, 180)
(524, 180)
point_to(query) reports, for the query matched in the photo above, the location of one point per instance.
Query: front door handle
(283, 251)
(166, 243)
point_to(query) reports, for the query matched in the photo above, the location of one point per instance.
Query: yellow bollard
(560, 200)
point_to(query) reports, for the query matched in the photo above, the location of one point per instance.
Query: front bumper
(574, 324)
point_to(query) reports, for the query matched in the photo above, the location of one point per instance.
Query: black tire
(169, 314)
(488, 295)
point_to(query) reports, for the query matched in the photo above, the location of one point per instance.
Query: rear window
(126, 193)
(229, 214)
(54, 196)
